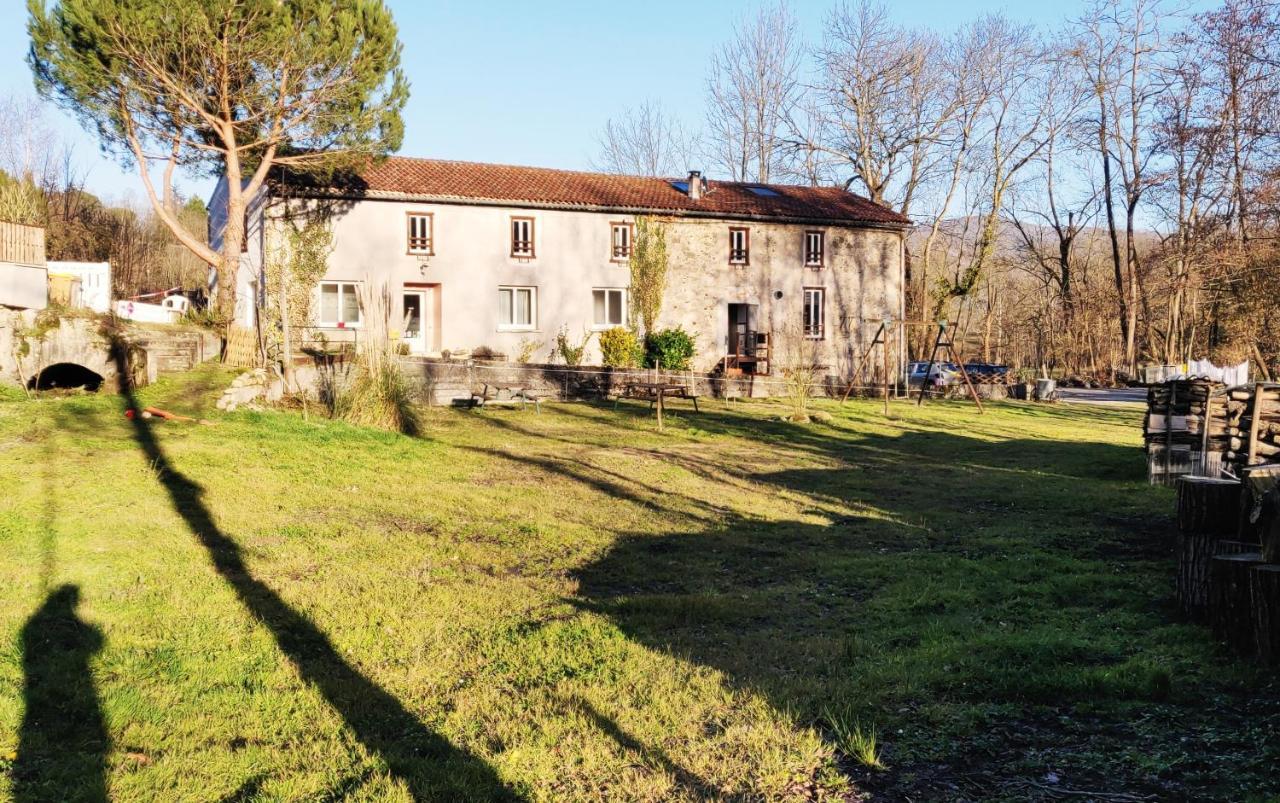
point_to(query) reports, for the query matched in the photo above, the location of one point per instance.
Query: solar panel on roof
(683, 186)
(765, 191)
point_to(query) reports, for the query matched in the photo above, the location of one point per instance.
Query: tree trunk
(1230, 605)
(1264, 593)
(1126, 330)
(232, 243)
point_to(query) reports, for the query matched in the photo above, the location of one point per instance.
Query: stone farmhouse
(495, 256)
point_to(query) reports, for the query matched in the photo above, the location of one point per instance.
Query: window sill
(525, 329)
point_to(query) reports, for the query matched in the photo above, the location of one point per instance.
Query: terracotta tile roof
(400, 177)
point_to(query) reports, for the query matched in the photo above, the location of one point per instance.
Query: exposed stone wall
(77, 340)
(446, 381)
(861, 277)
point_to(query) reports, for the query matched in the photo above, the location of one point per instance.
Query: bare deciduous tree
(753, 84)
(645, 141)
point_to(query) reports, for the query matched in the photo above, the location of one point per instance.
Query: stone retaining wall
(443, 381)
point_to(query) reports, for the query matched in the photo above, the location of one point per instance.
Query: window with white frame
(739, 246)
(621, 237)
(610, 305)
(421, 239)
(814, 246)
(339, 304)
(517, 308)
(814, 312)
(522, 237)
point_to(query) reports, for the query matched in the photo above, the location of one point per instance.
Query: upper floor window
(610, 305)
(522, 237)
(621, 237)
(814, 246)
(517, 308)
(739, 246)
(814, 313)
(421, 227)
(339, 304)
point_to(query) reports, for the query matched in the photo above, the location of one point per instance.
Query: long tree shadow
(63, 741)
(983, 578)
(431, 766)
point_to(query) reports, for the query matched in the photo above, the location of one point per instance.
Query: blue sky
(531, 82)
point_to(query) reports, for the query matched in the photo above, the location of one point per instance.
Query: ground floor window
(339, 304)
(610, 305)
(814, 314)
(517, 307)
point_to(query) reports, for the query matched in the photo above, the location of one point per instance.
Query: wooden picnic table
(656, 392)
(505, 393)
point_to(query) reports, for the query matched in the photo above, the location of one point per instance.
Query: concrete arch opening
(66, 376)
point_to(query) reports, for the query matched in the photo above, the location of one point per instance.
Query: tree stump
(1264, 592)
(1208, 505)
(1195, 551)
(1230, 602)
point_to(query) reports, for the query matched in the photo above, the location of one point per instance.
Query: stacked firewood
(1181, 431)
(1252, 424)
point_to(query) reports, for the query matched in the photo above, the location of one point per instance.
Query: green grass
(573, 606)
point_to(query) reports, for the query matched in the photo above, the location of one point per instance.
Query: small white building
(24, 280)
(170, 310)
(95, 282)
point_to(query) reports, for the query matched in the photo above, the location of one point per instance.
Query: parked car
(942, 374)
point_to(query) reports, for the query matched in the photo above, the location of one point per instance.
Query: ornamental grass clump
(379, 395)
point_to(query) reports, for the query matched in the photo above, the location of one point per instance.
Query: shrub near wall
(670, 349)
(620, 348)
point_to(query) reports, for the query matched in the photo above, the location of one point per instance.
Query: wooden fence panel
(22, 244)
(242, 347)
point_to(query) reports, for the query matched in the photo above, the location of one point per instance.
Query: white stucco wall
(23, 286)
(95, 282)
(472, 260)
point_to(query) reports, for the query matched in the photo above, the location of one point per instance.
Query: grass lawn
(572, 606)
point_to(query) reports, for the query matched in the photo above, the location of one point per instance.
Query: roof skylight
(759, 190)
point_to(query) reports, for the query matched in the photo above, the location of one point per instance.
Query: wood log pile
(1252, 424)
(1185, 429)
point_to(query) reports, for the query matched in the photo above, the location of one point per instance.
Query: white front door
(414, 331)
